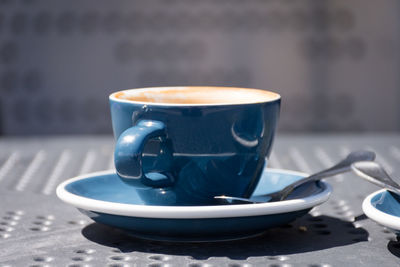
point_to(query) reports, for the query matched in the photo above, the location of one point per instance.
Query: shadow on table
(394, 247)
(306, 234)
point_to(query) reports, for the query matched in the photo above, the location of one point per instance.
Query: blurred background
(335, 63)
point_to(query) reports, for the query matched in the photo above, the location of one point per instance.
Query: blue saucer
(383, 208)
(106, 199)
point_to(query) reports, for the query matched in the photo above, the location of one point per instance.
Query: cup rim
(112, 96)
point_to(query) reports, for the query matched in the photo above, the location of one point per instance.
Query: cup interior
(195, 95)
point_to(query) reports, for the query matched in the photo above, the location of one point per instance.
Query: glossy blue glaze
(216, 149)
(110, 188)
(385, 202)
(210, 229)
(128, 154)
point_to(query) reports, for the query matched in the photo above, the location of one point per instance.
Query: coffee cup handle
(128, 155)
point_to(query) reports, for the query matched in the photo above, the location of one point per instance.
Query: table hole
(118, 265)
(85, 251)
(120, 258)
(6, 229)
(80, 222)
(239, 265)
(81, 258)
(12, 218)
(278, 258)
(16, 212)
(4, 235)
(8, 223)
(196, 264)
(279, 265)
(78, 265)
(45, 217)
(338, 203)
(42, 229)
(42, 222)
(349, 214)
(158, 257)
(345, 208)
(319, 265)
(282, 258)
(342, 208)
(158, 265)
(42, 259)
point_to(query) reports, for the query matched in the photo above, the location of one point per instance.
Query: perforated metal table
(37, 229)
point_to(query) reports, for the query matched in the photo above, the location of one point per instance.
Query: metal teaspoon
(376, 174)
(341, 167)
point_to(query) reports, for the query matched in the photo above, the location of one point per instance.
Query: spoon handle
(341, 167)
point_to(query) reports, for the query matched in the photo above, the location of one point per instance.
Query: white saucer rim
(378, 216)
(189, 212)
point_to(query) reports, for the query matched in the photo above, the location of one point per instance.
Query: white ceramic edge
(112, 97)
(379, 216)
(189, 212)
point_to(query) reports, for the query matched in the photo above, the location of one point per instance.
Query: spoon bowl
(376, 174)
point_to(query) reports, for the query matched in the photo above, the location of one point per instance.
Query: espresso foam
(196, 95)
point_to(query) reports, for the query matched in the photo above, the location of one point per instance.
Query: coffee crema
(196, 95)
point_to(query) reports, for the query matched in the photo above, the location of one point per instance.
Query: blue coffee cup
(185, 145)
